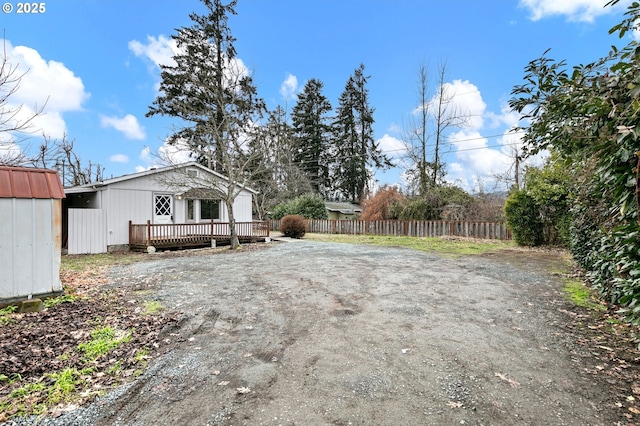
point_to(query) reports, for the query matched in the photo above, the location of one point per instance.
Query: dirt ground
(311, 333)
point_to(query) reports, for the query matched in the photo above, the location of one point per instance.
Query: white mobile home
(30, 235)
(100, 214)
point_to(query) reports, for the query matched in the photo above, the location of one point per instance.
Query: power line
(473, 139)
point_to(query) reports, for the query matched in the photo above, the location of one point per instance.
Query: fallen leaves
(36, 344)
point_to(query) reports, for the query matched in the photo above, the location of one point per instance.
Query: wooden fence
(412, 228)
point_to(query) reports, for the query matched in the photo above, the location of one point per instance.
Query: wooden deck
(186, 235)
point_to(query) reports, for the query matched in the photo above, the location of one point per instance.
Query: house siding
(132, 199)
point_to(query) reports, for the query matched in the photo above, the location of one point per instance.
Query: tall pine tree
(312, 134)
(215, 98)
(356, 151)
(207, 88)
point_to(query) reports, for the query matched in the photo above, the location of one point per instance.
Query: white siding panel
(29, 247)
(87, 231)
(242, 207)
(126, 205)
(8, 231)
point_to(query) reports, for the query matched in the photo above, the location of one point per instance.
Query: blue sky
(96, 62)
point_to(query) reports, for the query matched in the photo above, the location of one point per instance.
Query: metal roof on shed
(24, 182)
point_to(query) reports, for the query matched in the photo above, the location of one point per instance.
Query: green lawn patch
(581, 295)
(453, 246)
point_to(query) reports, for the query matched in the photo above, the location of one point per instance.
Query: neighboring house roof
(25, 182)
(344, 208)
(93, 187)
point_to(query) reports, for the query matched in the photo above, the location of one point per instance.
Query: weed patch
(6, 314)
(103, 340)
(53, 301)
(581, 295)
(152, 307)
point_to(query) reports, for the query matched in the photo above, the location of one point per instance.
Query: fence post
(148, 232)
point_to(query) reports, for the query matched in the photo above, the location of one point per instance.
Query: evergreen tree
(206, 87)
(312, 134)
(355, 146)
(215, 98)
(277, 177)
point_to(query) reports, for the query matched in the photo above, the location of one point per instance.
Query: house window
(209, 209)
(190, 210)
(163, 205)
(192, 173)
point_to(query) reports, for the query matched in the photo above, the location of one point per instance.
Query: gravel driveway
(313, 333)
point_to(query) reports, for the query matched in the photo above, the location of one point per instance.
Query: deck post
(130, 232)
(148, 233)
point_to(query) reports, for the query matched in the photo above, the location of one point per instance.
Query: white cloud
(159, 51)
(467, 102)
(461, 99)
(127, 125)
(507, 117)
(167, 154)
(176, 153)
(149, 159)
(119, 158)
(43, 83)
(574, 10)
(289, 87)
(391, 146)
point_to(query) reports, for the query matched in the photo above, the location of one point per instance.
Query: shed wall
(30, 244)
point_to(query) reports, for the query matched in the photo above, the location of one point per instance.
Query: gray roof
(93, 187)
(344, 208)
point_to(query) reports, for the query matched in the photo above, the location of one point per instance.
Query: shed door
(162, 208)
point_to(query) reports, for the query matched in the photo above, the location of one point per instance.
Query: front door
(162, 208)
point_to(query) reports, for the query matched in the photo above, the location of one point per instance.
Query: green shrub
(523, 217)
(293, 226)
(279, 211)
(308, 206)
(418, 209)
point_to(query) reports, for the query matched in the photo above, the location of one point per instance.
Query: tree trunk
(235, 242)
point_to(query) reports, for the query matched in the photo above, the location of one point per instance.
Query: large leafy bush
(308, 206)
(523, 217)
(589, 116)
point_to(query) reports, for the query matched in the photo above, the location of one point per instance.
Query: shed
(31, 233)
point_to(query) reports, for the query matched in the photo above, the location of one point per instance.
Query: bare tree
(418, 137)
(14, 126)
(425, 140)
(512, 177)
(61, 156)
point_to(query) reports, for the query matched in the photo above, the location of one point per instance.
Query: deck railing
(412, 228)
(189, 234)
